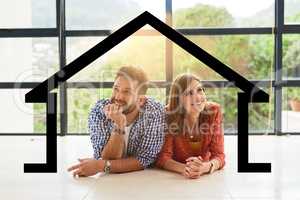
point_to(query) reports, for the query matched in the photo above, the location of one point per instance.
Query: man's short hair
(136, 74)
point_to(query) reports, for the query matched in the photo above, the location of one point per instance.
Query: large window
(291, 12)
(135, 50)
(249, 55)
(107, 14)
(27, 14)
(219, 14)
(28, 59)
(257, 39)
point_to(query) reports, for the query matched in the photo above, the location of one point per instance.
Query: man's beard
(126, 108)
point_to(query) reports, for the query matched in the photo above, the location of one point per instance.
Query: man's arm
(125, 165)
(90, 167)
(114, 148)
(98, 130)
(152, 140)
(105, 144)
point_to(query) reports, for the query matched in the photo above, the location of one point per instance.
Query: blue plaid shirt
(146, 135)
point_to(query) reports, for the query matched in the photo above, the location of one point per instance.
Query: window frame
(60, 32)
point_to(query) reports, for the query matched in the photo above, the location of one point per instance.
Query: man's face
(125, 94)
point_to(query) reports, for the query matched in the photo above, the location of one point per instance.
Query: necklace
(192, 134)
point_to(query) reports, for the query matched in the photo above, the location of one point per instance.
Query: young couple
(131, 132)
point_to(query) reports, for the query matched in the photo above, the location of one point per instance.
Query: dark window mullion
(62, 62)
(28, 32)
(169, 50)
(225, 31)
(279, 24)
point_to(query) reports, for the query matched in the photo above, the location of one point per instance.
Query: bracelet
(214, 165)
(107, 167)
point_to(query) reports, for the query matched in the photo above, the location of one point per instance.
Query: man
(126, 130)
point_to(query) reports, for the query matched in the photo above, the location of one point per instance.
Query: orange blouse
(209, 143)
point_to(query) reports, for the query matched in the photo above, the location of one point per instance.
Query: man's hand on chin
(87, 167)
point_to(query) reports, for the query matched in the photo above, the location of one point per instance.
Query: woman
(194, 142)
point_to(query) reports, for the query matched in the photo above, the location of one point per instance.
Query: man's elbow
(144, 163)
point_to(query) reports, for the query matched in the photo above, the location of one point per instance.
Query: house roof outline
(42, 92)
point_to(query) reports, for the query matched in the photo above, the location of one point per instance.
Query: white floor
(282, 183)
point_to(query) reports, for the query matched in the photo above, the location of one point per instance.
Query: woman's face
(193, 99)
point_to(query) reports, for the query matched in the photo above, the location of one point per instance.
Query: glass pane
(260, 114)
(106, 14)
(291, 12)
(250, 56)
(20, 117)
(28, 14)
(134, 51)
(15, 111)
(216, 13)
(81, 101)
(291, 57)
(39, 116)
(228, 97)
(291, 110)
(28, 60)
(159, 94)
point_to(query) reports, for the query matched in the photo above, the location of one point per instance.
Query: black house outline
(42, 92)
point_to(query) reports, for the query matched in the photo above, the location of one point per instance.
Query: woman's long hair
(175, 112)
